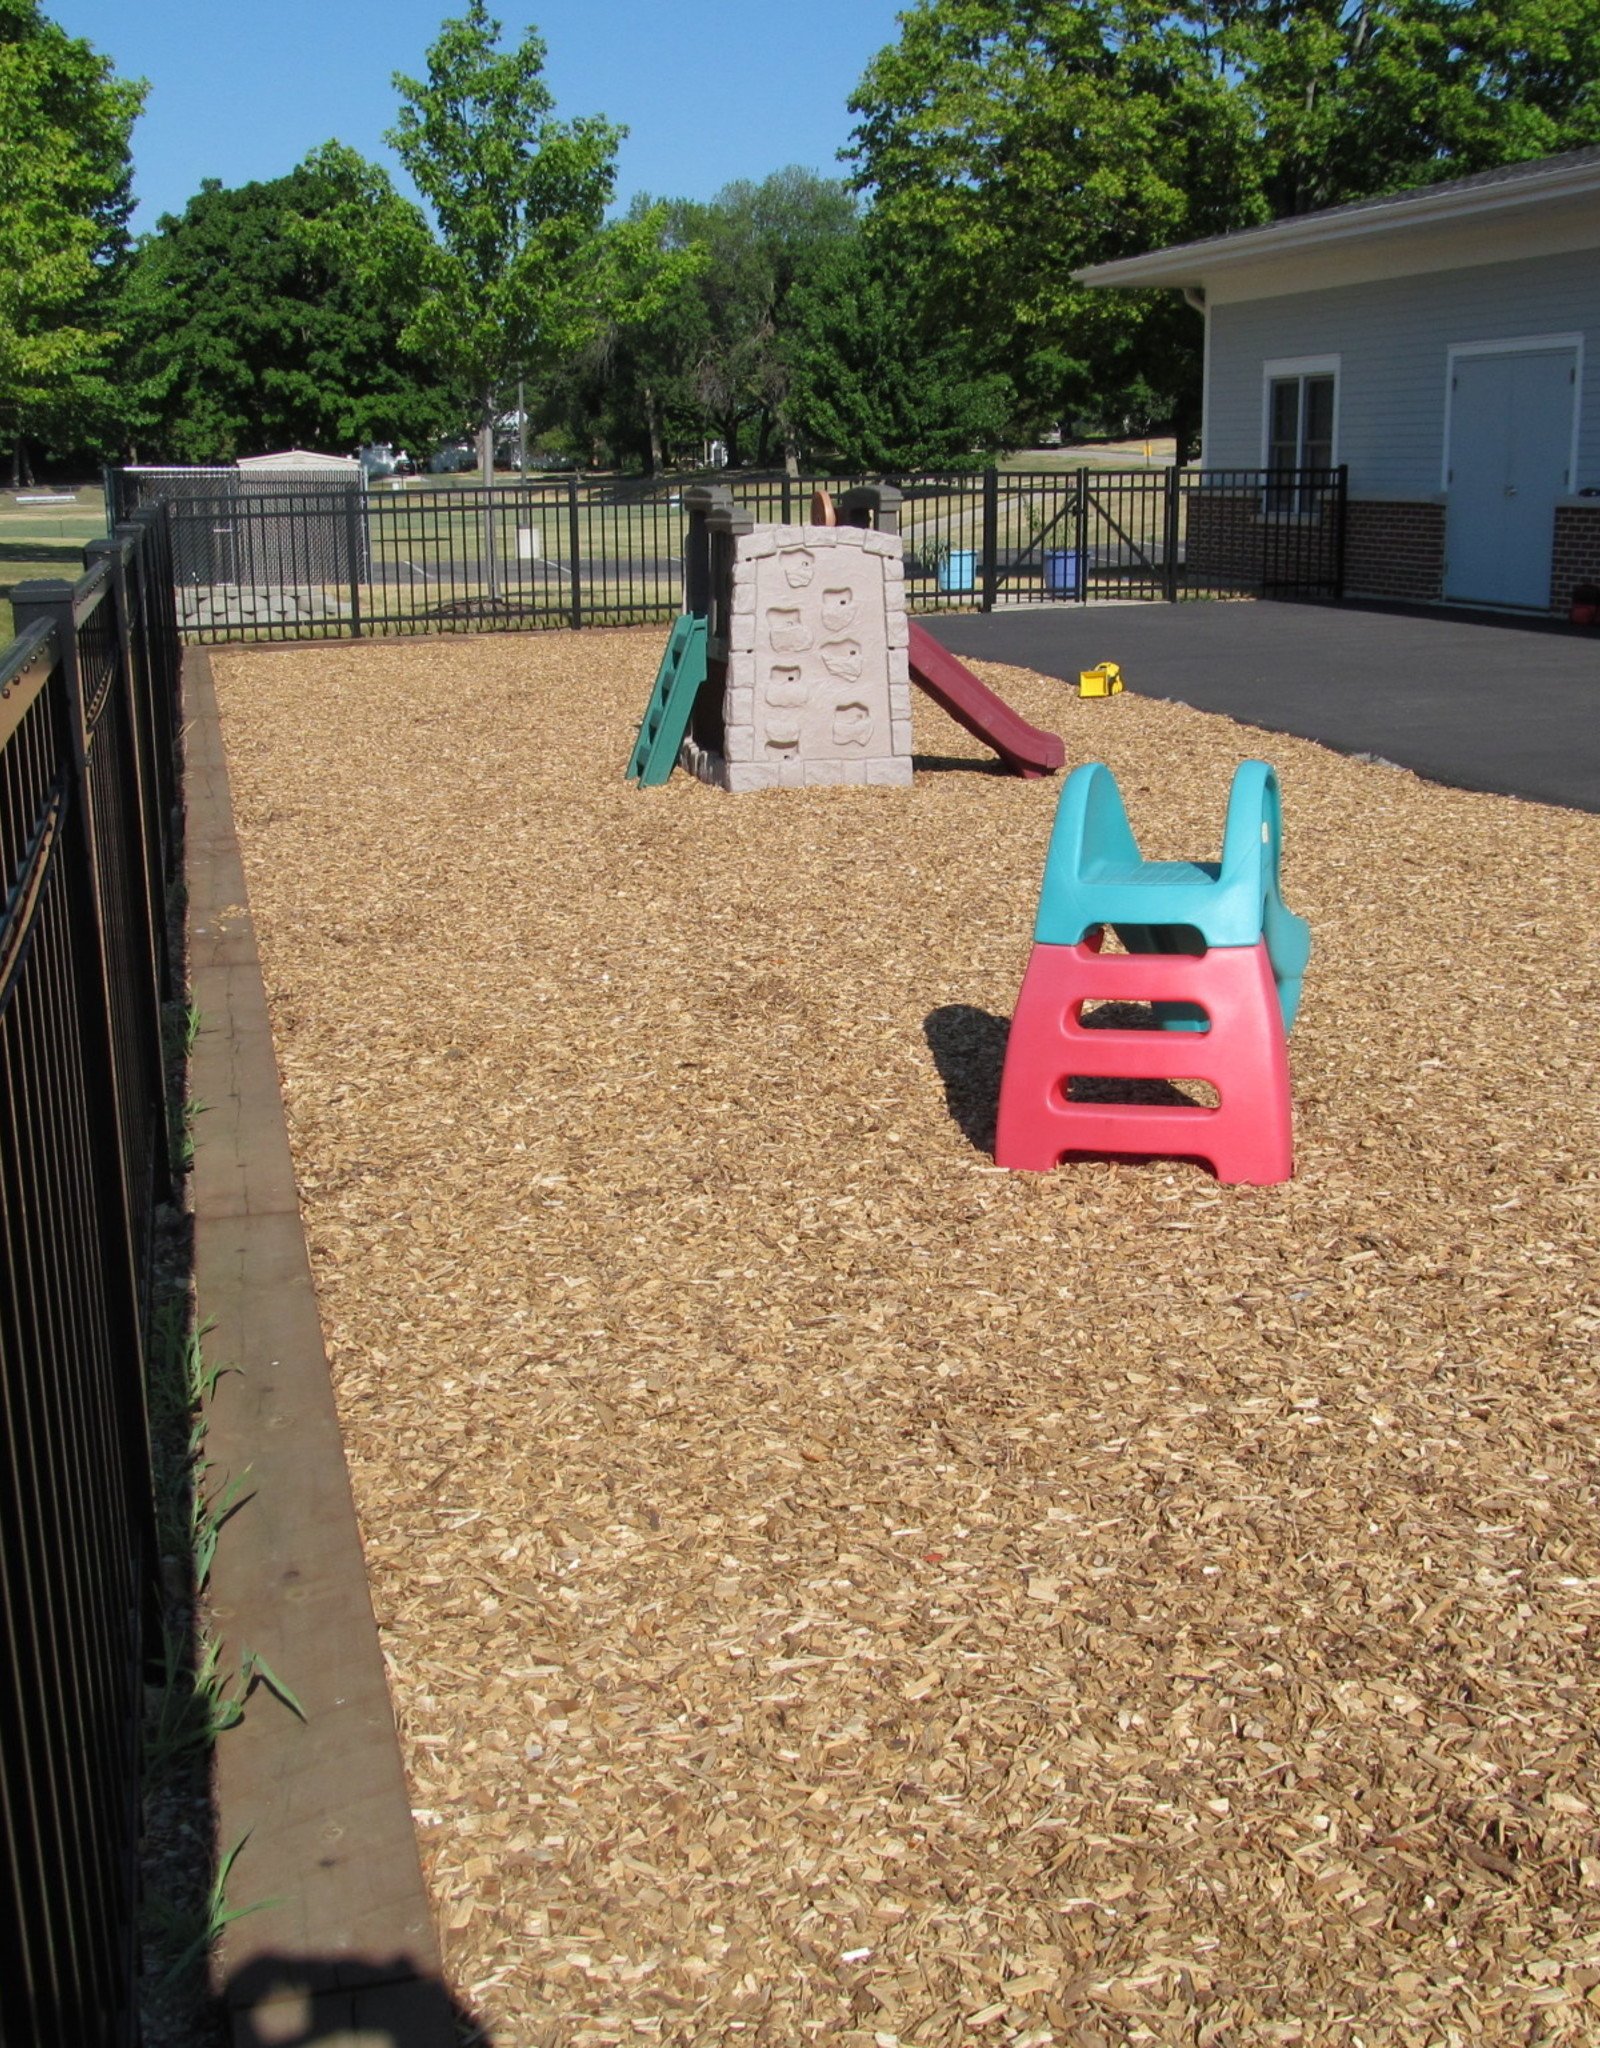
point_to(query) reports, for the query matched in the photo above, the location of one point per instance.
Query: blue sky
(710, 90)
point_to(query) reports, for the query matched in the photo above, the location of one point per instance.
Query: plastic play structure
(1213, 953)
(794, 657)
(666, 716)
(954, 688)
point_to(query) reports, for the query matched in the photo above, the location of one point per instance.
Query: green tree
(1350, 98)
(239, 336)
(65, 124)
(710, 355)
(1008, 142)
(877, 379)
(761, 241)
(631, 393)
(510, 269)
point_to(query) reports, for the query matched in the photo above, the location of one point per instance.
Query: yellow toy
(1104, 680)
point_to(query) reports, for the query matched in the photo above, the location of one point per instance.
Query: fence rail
(88, 838)
(291, 563)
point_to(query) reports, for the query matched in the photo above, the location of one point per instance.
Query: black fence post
(574, 545)
(144, 741)
(152, 527)
(78, 1581)
(134, 945)
(353, 565)
(991, 538)
(51, 601)
(1341, 494)
(1169, 542)
(152, 615)
(1080, 529)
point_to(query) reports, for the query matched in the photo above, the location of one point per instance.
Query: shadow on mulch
(956, 764)
(282, 2001)
(969, 1049)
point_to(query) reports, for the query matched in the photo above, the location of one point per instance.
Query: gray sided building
(1444, 345)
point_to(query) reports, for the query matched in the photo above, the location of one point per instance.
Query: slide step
(666, 718)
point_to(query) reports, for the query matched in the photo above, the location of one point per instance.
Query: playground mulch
(835, 1591)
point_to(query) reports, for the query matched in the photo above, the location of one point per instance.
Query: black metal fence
(287, 565)
(88, 838)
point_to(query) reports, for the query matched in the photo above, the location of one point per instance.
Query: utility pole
(486, 473)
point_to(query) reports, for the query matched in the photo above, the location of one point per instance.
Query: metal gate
(289, 562)
(1149, 535)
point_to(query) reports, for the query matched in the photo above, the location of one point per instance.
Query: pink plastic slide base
(954, 688)
(1248, 1137)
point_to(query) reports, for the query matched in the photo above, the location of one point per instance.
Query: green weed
(209, 1514)
(189, 1937)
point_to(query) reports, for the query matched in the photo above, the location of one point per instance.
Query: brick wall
(1577, 552)
(1222, 545)
(1230, 544)
(1394, 550)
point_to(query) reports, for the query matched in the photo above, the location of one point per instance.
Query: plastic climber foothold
(1238, 1050)
(1208, 986)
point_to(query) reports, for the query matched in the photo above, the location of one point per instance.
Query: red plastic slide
(954, 688)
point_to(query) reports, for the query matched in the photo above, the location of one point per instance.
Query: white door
(1510, 446)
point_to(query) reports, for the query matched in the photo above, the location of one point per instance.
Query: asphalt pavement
(1477, 703)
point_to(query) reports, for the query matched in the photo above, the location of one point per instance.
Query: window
(1299, 435)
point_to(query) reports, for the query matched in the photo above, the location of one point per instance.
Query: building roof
(1484, 197)
(298, 458)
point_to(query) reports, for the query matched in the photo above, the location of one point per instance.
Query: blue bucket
(959, 570)
(1061, 572)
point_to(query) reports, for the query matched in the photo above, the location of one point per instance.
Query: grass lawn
(45, 539)
(1141, 452)
(426, 550)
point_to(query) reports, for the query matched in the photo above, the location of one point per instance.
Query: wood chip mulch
(839, 1592)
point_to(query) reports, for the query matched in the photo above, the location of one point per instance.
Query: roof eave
(1190, 265)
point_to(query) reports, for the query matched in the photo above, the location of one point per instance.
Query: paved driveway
(1473, 703)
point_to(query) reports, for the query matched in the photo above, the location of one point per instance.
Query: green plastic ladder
(666, 718)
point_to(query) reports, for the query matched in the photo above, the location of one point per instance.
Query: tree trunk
(1186, 427)
(653, 423)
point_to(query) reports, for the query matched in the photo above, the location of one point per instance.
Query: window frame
(1277, 370)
